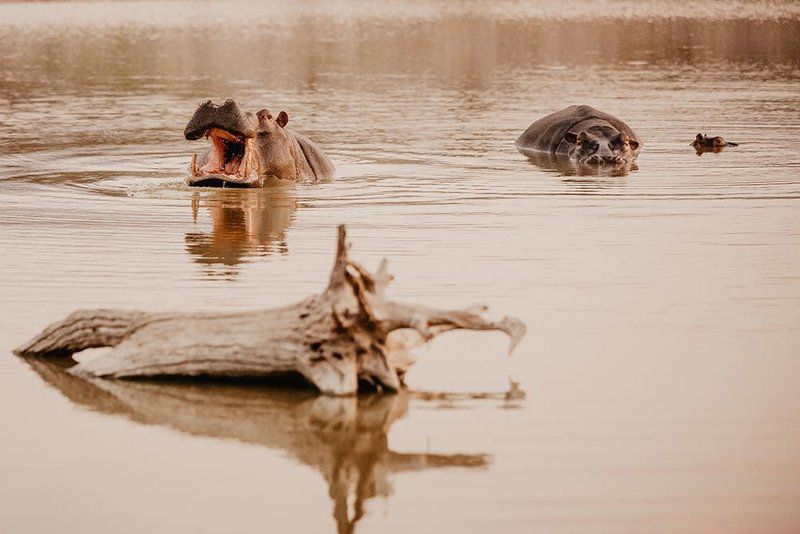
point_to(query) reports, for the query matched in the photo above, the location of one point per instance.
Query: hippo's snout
(228, 117)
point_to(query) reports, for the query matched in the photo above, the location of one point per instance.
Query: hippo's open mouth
(230, 161)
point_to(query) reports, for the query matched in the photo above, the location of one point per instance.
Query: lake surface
(657, 387)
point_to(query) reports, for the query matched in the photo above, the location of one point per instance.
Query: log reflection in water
(344, 438)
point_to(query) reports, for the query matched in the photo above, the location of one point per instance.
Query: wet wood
(336, 340)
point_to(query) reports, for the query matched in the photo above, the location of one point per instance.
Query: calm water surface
(657, 388)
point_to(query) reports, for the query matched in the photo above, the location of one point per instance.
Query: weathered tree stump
(335, 339)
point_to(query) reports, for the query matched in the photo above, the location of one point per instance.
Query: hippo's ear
(699, 137)
(625, 138)
(570, 137)
(283, 119)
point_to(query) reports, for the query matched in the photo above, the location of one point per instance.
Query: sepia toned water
(657, 387)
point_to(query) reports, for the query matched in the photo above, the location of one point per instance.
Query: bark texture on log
(335, 339)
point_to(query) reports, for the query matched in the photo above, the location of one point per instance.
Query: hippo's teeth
(195, 168)
(243, 167)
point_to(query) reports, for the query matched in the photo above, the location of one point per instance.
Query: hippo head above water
(601, 144)
(247, 148)
(581, 134)
(704, 143)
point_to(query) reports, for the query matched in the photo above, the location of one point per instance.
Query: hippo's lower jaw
(224, 180)
(231, 161)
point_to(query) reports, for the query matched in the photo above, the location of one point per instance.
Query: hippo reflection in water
(582, 134)
(248, 148)
(242, 227)
(575, 172)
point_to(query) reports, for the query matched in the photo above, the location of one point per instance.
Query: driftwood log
(336, 340)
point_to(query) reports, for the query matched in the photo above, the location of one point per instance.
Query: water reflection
(301, 51)
(243, 223)
(345, 439)
(700, 150)
(567, 167)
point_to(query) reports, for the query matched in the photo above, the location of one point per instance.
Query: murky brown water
(661, 366)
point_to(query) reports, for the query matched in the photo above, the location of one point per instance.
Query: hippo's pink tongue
(231, 167)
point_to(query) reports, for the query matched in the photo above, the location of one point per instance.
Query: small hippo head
(704, 143)
(601, 144)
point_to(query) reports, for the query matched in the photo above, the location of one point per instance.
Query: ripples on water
(662, 305)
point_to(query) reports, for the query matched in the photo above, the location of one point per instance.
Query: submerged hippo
(583, 134)
(247, 148)
(704, 143)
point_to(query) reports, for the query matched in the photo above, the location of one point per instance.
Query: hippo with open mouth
(583, 134)
(247, 148)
